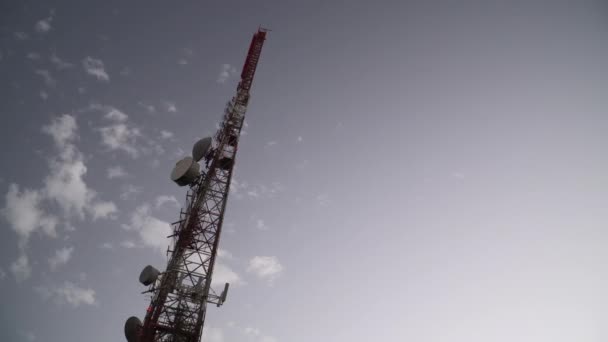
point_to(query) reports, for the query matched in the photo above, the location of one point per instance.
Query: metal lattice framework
(181, 294)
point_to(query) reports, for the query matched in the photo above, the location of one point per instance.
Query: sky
(422, 171)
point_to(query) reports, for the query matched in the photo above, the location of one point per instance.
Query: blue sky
(424, 171)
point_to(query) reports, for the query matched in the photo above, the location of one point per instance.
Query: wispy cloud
(27, 335)
(116, 172)
(44, 25)
(21, 35)
(148, 107)
(271, 143)
(164, 199)
(61, 257)
(33, 56)
(44, 95)
(46, 76)
(300, 139)
(21, 268)
(265, 267)
(95, 67)
(227, 71)
(60, 63)
(164, 134)
(212, 334)
(261, 225)
(128, 191)
(170, 107)
(68, 293)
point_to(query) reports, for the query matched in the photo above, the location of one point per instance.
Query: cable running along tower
(181, 293)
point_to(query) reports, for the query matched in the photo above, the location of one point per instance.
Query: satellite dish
(148, 275)
(200, 148)
(224, 293)
(185, 171)
(132, 327)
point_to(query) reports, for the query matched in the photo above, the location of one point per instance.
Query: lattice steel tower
(181, 293)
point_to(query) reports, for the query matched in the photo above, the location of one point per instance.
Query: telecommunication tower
(181, 293)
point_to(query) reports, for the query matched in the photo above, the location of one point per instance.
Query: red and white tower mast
(181, 293)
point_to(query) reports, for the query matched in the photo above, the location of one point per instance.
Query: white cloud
(149, 108)
(44, 25)
(271, 143)
(128, 244)
(223, 274)
(265, 267)
(113, 114)
(300, 139)
(21, 35)
(95, 68)
(121, 137)
(2, 274)
(224, 254)
(33, 56)
(116, 172)
(261, 225)
(170, 107)
(128, 191)
(152, 231)
(65, 184)
(44, 95)
(61, 257)
(166, 134)
(268, 339)
(68, 293)
(182, 61)
(226, 72)
(60, 63)
(164, 199)
(323, 200)
(27, 335)
(250, 331)
(46, 75)
(24, 214)
(211, 334)
(106, 245)
(21, 268)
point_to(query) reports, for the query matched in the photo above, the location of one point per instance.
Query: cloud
(224, 254)
(65, 184)
(106, 245)
(44, 95)
(44, 25)
(250, 331)
(223, 274)
(149, 108)
(24, 214)
(46, 75)
(59, 63)
(300, 139)
(21, 35)
(128, 191)
(323, 200)
(226, 72)
(166, 134)
(121, 137)
(182, 61)
(2, 274)
(33, 56)
(95, 68)
(164, 199)
(268, 339)
(271, 143)
(116, 172)
(61, 257)
(211, 334)
(68, 293)
(170, 107)
(152, 231)
(127, 244)
(265, 267)
(27, 335)
(261, 225)
(21, 268)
